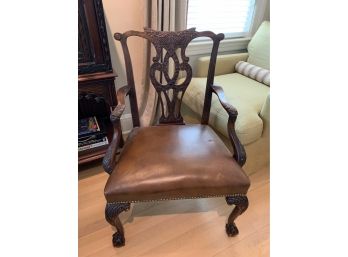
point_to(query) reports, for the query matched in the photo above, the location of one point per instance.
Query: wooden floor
(174, 228)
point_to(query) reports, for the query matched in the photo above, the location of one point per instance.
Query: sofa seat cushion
(174, 161)
(245, 94)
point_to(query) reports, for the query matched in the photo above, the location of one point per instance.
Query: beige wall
(120, 16)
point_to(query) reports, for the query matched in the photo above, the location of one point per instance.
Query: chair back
(169, 45)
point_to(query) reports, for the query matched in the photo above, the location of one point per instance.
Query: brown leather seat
(174, 161)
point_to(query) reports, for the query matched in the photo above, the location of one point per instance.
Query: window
(231, 17)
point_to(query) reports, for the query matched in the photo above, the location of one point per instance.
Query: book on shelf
(95, 144)
(91, 134)
(91, 137)
(91, 141)
(88, 126)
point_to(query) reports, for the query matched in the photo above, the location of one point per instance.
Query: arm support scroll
(239, 153)
(109, 160)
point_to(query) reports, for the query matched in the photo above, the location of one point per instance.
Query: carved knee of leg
(241, 204)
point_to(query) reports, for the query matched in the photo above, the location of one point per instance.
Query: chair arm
(224, 64)
(109, 160)
(239, 153)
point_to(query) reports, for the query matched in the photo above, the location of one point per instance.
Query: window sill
(227, 45)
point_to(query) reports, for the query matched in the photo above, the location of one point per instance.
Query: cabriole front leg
(112, 210)
(241, 202)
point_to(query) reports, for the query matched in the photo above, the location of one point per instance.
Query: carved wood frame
(171, 42)
(112, 211)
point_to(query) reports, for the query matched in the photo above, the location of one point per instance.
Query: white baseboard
(126, 124)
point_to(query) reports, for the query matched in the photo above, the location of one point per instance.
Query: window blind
(231, 17)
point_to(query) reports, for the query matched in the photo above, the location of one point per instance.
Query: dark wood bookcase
(96, 83)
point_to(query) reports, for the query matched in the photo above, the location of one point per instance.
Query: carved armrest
(239, 153)
(109, 160)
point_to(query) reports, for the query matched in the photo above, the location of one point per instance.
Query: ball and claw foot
(112, 210)
(231, 229)
(241, 204)
(118, 240)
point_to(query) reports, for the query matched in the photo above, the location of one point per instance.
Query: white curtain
(162, 15)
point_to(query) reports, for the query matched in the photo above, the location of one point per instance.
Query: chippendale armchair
(172, 160)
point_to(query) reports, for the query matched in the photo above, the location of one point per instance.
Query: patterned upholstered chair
(172, 160)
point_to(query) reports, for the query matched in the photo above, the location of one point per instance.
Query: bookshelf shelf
(92, 154)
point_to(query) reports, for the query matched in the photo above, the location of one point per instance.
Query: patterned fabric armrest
(224, 64)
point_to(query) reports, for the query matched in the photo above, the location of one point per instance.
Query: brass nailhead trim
(182, 198)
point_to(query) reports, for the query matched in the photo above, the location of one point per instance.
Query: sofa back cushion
(258, 47)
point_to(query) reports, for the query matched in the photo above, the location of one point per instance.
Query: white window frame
(231, 44)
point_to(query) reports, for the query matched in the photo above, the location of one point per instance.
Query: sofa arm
(265, 115)
(224, 64)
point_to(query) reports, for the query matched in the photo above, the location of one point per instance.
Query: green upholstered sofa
(250, 97)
